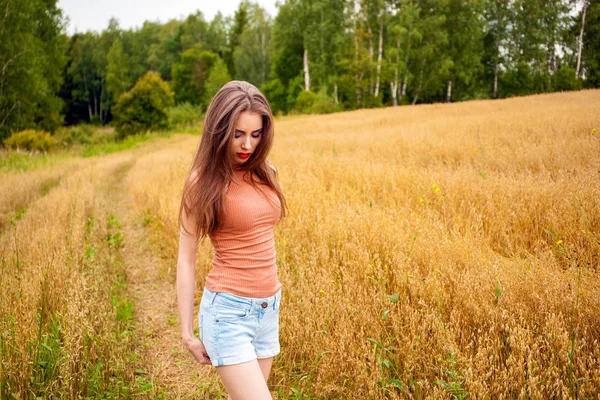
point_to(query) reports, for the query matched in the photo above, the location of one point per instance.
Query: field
(434, 251)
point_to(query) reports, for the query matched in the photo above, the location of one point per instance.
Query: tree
(193, 30)
(217, 77)
(240, 21)
(85, 75)
(430, 63)
(251, 57)
(145, 107)
(32, 48)
(216, 36)
(191, 73)
(463, 25)
(118, 78)
(498, 17)
(165, 51)
(590, 55)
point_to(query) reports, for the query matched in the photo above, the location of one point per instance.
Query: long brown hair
(213, 168)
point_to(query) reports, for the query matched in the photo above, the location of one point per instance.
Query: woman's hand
(196, 347)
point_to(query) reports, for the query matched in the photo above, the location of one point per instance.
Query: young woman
(232, 196)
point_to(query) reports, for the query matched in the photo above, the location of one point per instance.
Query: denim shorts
(237, 329)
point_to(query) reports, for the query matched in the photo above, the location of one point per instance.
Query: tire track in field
(163, 360)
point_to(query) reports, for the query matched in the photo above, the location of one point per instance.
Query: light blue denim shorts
(236, 329)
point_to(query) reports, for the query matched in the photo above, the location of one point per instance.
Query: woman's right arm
(186, 285)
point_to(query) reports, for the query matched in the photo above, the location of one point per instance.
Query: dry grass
(431, 252)
(63, 315)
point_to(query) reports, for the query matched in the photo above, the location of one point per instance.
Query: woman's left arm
(186, 285)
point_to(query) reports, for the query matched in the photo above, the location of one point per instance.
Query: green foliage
(76, 135)
(521, 81)
(32, 58)
(305, 101)
(191, 73)
(117, 70)
(309, 102)
(236, 33)
(216, 79)
(590, 57)
(295, 87)
(145, 107)
(251, 57)
(276, 94)
(484, 48)
(564, 79)
(287, 45)
(185, 114)
(323, 104)
(30, 140)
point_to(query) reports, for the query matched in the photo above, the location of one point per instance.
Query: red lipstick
(243, 155)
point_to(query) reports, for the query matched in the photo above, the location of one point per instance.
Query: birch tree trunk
(420, 81)
(379, 55)
(585, 4)
(101, 96)
(371, 91)
(358, 76)
(404, 85)
(406, 57)
(449, 91)
(335, 92)
(495, 95)
(306, 73)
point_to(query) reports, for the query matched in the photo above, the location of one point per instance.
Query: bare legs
(247, 381)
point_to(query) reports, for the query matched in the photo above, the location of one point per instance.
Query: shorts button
(264, 304)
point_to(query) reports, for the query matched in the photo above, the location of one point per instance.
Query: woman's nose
(246, 144)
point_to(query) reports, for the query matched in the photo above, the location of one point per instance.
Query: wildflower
(409, 275)
(559, 242)
(321, 291)
(421, 200)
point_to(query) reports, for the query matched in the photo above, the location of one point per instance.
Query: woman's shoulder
(271, 165)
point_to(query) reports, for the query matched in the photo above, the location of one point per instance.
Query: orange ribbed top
(245, 261)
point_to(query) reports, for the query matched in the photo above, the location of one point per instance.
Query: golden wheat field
(432, 251)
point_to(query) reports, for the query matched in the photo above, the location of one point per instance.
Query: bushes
(314, 103)
(145, 107)
(185, 114)
(30, 140)
(76, 135)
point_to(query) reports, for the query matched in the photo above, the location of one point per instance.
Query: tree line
(314, 56)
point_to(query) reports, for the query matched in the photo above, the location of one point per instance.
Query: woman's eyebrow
(239, 130)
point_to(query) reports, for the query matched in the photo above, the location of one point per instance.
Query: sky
(94, 15)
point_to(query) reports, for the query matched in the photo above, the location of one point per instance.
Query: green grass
(19, 161)
(100, 143)
(128, 143)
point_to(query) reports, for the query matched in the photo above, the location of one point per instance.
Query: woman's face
(246, 137)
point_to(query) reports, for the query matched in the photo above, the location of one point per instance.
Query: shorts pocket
(228, 309)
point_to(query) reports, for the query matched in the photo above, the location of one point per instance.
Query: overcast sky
(94, 15)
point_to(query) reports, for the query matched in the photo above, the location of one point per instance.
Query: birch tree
(580, 44)
(252, 56)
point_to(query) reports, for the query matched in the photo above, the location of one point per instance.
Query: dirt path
(164, 360)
